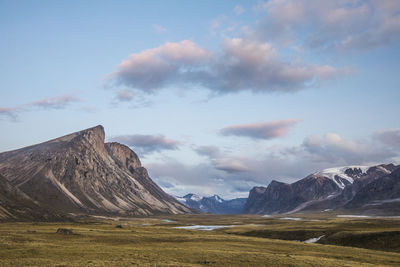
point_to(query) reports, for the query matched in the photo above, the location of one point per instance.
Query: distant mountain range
(78, 174)
(363, 189)
(213, 204)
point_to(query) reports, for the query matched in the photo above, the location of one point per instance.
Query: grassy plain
(255, 241)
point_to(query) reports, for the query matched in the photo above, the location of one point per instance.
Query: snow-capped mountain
(342, 176)
(351, 187)
(213, 204)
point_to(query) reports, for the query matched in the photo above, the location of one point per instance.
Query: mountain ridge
(329, 189)
(81, 174)
(213, 204)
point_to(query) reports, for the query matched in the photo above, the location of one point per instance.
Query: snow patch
(217, 198)
(181, 199)
(313, 240)
(383, 169)
(168, 221)
(353, 216)
(291, 218)
(331, 173)
(195, 198)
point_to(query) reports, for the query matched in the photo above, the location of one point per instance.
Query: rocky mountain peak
(93, 137)
(79, 173)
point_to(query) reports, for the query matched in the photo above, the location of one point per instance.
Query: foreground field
(154, 242)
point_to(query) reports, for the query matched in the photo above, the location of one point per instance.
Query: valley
(153, 241)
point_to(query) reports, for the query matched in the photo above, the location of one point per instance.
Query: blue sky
(215, 96)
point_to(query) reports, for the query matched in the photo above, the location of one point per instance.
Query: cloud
(239, 10)
(9, 112)
(262, 130)
(233, 175)
(390, 137)
(247, 65)
(59, 102)
(209, 151)
(242, 65)
(124, 96)
(333, 148)
(159, 29)
(220, 162)
(51, 103)
(344, 24)
(146, 144)
(134, 99)
(159, 67)
(230, 165)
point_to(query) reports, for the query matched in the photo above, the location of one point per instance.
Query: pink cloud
(345, 24)
(262, 130)
(241, 65)
(59, 102)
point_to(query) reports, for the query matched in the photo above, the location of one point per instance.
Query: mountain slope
(335, 188)
(213, 204)
(382, 194)
(79, 173)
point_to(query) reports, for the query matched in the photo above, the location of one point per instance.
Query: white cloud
(156, 68)
(242, 65)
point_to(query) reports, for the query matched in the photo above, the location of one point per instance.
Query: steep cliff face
(352, 187)
(79, 173)
(281, 197)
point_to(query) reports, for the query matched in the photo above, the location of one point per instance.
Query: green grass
(149, 242)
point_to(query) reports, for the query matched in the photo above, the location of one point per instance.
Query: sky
(214, 96)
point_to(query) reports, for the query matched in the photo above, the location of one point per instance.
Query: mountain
(375, 189)
(213, 204)
(79, 174)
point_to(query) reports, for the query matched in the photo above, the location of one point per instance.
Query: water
(204, 227)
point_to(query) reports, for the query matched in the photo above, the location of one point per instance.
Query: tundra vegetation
(250, 240)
